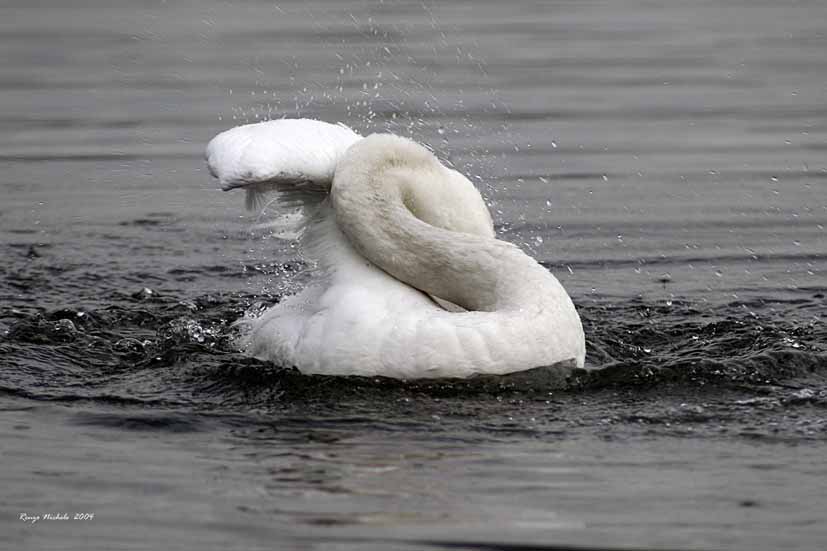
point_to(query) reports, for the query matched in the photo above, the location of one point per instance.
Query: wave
(153, 349)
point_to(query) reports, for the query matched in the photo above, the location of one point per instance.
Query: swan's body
(396, 229)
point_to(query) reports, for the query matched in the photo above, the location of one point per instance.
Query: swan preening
(410, 280)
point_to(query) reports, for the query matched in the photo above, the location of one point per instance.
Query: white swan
(400, 241)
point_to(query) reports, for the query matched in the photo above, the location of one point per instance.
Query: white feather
(396, 227)
(296, 157)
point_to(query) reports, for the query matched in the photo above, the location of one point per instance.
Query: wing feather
(295, 157)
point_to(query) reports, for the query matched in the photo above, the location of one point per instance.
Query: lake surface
(667, 161)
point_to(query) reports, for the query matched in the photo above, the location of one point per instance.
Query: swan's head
(434, 193)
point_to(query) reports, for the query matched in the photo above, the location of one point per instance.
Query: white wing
(293, 156)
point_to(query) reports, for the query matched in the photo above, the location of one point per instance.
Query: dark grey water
(665, 160)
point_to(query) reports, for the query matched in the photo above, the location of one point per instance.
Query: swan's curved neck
(383, 191)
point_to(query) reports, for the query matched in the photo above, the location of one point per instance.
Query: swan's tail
(294, 157)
